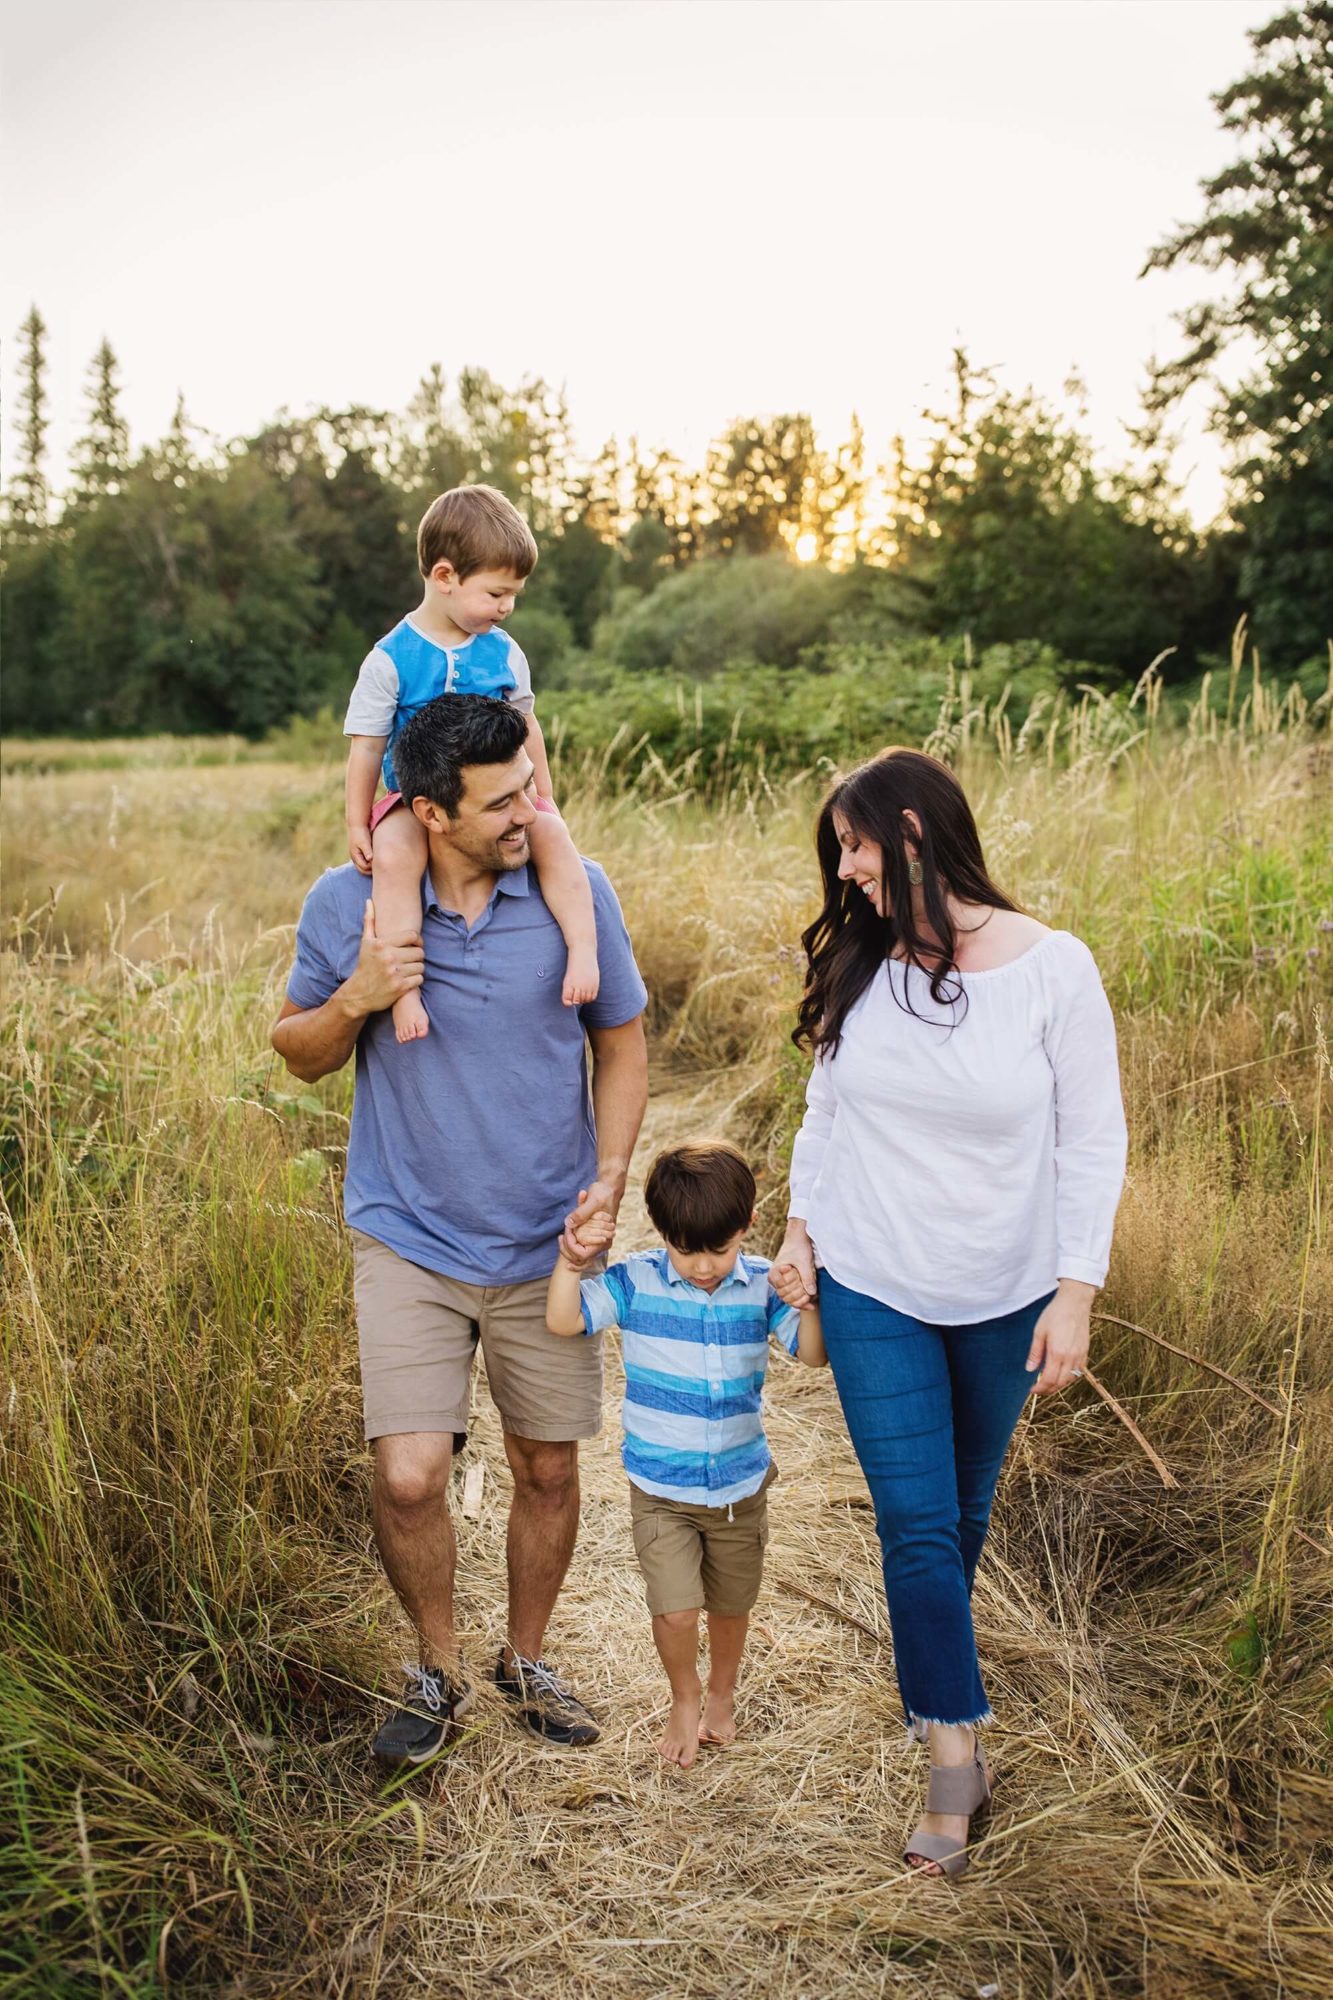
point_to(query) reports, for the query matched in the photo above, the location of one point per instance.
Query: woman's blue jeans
(931, 1410)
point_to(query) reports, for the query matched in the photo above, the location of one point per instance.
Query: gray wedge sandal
(960, 1788)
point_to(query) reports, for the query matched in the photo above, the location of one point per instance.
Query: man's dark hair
(444, 737)
(699, 1195)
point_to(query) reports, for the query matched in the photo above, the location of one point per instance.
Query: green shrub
(745, 608)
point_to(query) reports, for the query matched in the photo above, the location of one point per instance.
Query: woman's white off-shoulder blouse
(955, 1172)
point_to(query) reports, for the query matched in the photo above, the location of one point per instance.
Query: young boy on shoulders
(695, 1318)
(475, 552)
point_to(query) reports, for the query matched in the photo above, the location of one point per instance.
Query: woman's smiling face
(862, 862)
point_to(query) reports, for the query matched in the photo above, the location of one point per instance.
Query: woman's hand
(792, 1275)
(1060, 1337)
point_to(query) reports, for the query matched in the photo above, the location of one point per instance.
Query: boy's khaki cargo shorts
(697, 1557)
(418, 1332)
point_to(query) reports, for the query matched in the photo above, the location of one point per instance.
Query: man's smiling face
(494, 814)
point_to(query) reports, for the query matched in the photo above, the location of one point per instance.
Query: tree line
(199, 585)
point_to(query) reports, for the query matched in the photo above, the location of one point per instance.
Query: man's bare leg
(543, 1527)
(415, 1535)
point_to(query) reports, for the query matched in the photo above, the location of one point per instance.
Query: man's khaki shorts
(694, 1557)
(418, 1332)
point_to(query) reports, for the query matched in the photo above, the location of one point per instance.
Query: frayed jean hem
(919, 1726)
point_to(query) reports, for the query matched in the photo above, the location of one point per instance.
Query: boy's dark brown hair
(475, 527)
(699, 1195)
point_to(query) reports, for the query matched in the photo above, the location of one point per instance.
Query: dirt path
(773, 1868)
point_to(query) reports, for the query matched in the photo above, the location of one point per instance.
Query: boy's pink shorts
(383, 807)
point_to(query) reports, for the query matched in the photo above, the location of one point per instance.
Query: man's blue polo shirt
(469, 1147)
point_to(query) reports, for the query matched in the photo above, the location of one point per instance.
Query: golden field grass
(197, 1636)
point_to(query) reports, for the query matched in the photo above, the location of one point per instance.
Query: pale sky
(684, 211)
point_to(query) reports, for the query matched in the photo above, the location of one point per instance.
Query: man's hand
(1060, 1337)
(599, 1199)
(384, 972)
(792, 1274)
(358, 847)
(594, 1236)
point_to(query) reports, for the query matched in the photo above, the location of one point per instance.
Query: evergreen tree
(1012, 533)
(175, 457)
(102, 454)
(1268, 223)
(842, 500)
(346, 514)
(667, 512)
(764, 478)
(432, 456)
(29, 495)
(519, 441)
(195, 609)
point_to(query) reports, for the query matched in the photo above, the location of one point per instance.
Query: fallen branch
(1164, 1472)
(827, 1604)
(1198, 1360)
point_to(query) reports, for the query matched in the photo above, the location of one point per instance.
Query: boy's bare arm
(564, 1313)
(541, 765)
(564, 1310)
(810, 1340)
(564, 880)
(364, 757)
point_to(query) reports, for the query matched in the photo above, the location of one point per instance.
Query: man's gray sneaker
(545, 1705)
(427, 1721)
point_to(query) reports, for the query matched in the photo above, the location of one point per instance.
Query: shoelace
(423, 1683)
(540, 1676)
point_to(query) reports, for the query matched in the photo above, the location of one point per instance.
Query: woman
(955, 1178)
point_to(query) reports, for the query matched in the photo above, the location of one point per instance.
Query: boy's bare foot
(410, 1019)
(679, 1741)
(719, 1720)
(582, 976)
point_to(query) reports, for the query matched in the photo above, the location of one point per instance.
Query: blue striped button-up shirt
(694, 1373)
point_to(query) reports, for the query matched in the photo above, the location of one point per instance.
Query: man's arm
(619, 1096)
(314, 1041)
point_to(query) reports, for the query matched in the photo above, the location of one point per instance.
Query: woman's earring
(914, 873)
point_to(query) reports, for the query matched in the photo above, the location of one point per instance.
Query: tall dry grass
(196, 1633)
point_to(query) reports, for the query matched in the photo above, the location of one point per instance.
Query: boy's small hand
(358, 847)
(591, 1237)
(577, 1255)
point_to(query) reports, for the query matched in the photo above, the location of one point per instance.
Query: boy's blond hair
(475, 527)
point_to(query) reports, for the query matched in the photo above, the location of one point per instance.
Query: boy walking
(695, 1319)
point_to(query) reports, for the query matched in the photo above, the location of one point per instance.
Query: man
(466, 1149)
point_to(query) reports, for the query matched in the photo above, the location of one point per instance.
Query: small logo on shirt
(541, 972)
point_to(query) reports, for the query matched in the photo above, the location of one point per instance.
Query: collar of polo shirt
(513, 882)
(736, 1275)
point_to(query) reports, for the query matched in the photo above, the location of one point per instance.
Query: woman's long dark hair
(849, 941)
